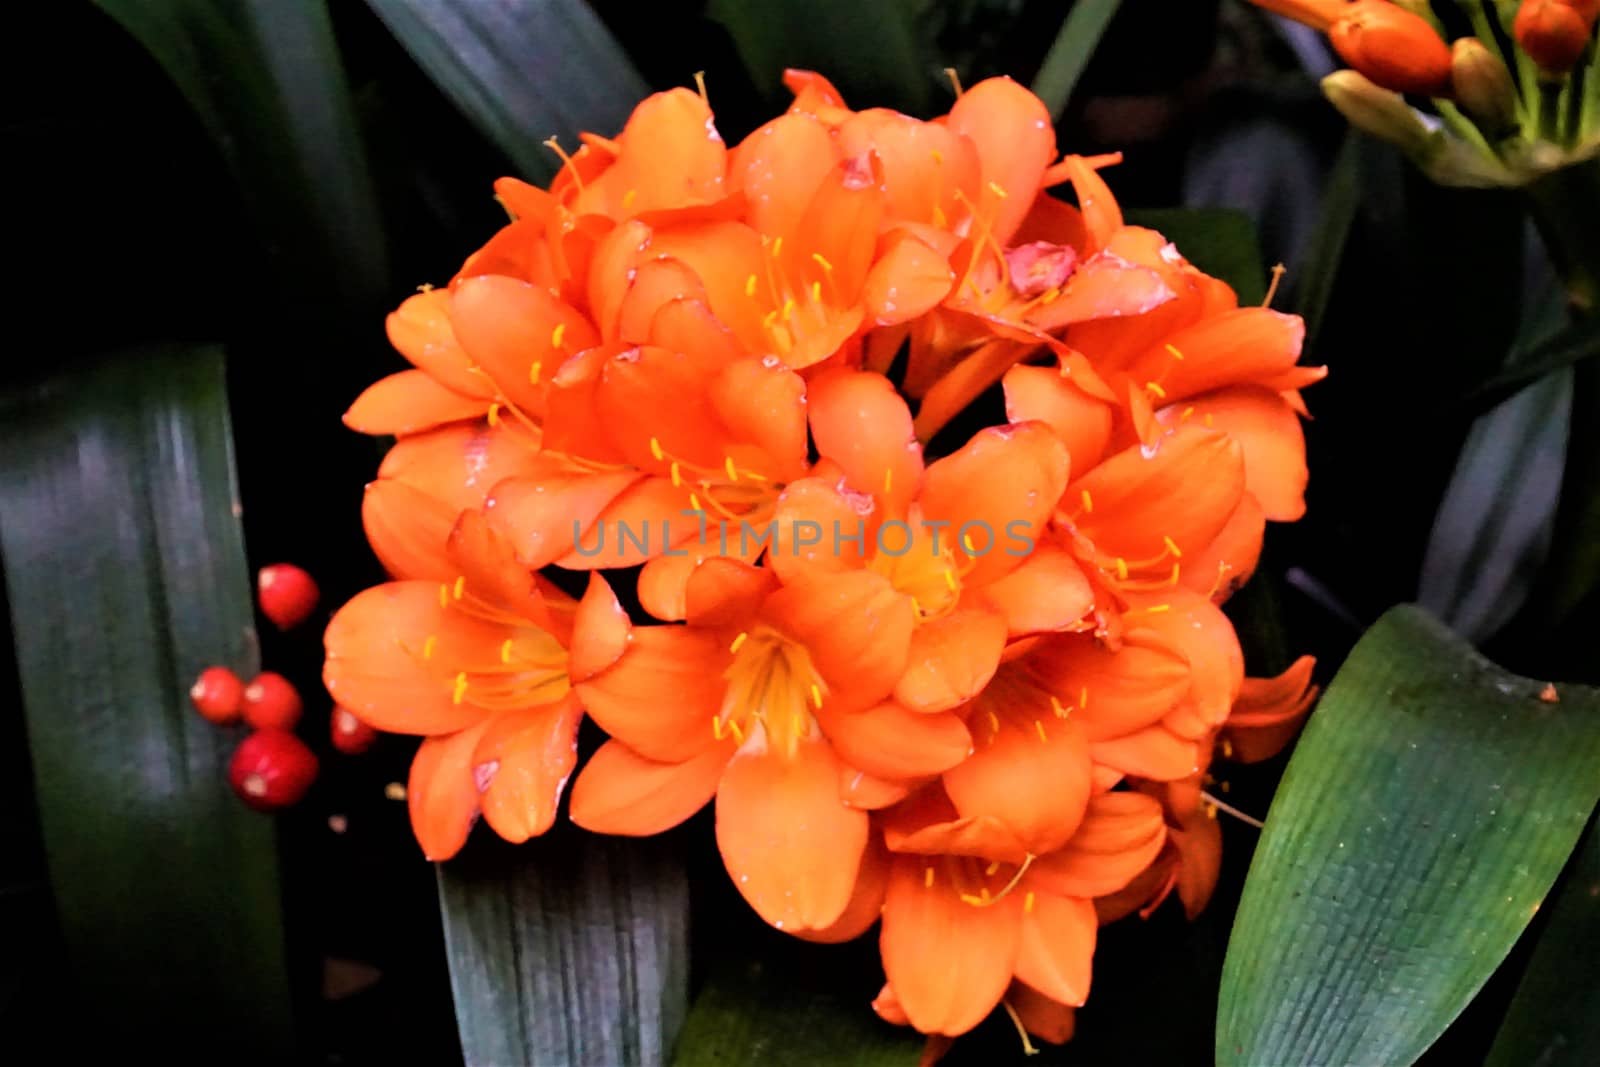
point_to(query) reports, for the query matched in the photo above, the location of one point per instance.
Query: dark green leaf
(1426, 812)
(750, 1014)
(1577, 342)
(125, 566)
(522, 73)
(1340, 202)
(1555, 1019)
(1218, 241)
(871, 49)
(266, 80)
(568, 950)
(1074, 46)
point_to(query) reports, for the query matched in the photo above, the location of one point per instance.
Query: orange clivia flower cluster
(971, 689)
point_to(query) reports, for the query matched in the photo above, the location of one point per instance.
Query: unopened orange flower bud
(1393, 47)
(1482, 85)
(1552, 33)
(1589, 10)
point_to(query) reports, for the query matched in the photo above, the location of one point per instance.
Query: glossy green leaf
(1340, 202)
(1427, 810)
(1069, 56)
(1579, 341)
(125, 567)
(872, 50)
(1554, 1020)
(751, 1012)
(522, 73)
(1220, 242)
(266, 80)
(568, 950)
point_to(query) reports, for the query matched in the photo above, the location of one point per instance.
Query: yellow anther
(534, 372)
(1172, 546)
(1156, 390)
(888, 480)
(1227, 749)
(677, 476)
(997, 189)
(1083, 697)
(655, 448)
(989, 870)
(1157, 609)
(494, 414)
(558, 335)
(1173, 350)
(938, 156)
(1027, 901)
(816, 695)
(927, 877)
(1211, 811)
(738, 734)
(1176, 570)
(460, 693)
(916, 605)
(460, 586)
(816, 292)
(966, 543)
(1187, 412)
(769, 318)
(738, 641)
(750, 286)
(822, 261)
(1056, 706)
(955, 80)
(788, 308)
(444, 595)
(429, 645)
(994, 722)
(1210, 421)
(777, 247)
(716, 727)
(700, 84)
(1051, 295)
(950, 579)
(1088, 502)
(732, 471)
(939, 217)
(628, 198)
(505, 651)
(694, 502)
(983, 895)
(1039, 727)
(973, 901)
(1122, 569)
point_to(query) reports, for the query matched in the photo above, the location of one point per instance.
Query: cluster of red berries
(272, 768)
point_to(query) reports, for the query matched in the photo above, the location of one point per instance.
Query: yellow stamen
(888, 480)
(1083, 697)
(558, 335)
(938, 157)
(460, 693)
(1172, 546)
(950, 579)
(505, 651)
(1088, 502)
(1028, 1047)
(429, 645)
(989, 870)
(927, 877)
(1156, 390)
(816, 292)
(777, 247)
(733, 472)
(738, 641)
(1187, 412)
(1157, 609)
(1227, 749)
(738, 734)
(994, 722)
(955, 80)
(716, 727)
(534, 371)
(1173, 349)
(444, 595)
(655, 448)
(939, 217)
(1278, 271)
(788, 308)
(694, 502)
(1122, 569)
(966, 543)
(998, 190)
(566, 161)
(494, 414)
(750, 286)
(1055, 705)
(816, 694)
(1027, 901)
(460, 587)
(1039, 727)
(677, 476)
(700, 83)
(628, 198)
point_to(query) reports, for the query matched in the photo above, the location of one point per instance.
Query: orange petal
(863, 425)
(840, 224)
(1109, 693)
(1032, 774)
(1016, 141)
(792, 847)
(1057, 946)
(866, 902)
(856, 627)
(545, 516)
(1268, 712)
(689, 326)
(1186, 488)
(951, 659)
(1240, 347)
(1154, 752)
(420, 330)
(376, 666)
(780, 166)
(620, 792)
(408, 529)
(1105, 287)
(409, 402)
(724, 592)
(928, 824)
(649, 394)
(671, 156)
(1102, 218)
(626, 698)
(890, 741)
(641, 522)
(1268, 431)
(1121, 835)
(1047, 593)
(1045, 394)
(996, 493)
(459, 464)
(815, 530)
(600, 631)
(1230, 559)
(1197, 629)
(928, 168)
(908, 280)
(490, 575)
(508, 327)
(441, 793)
(522, 762)
(725, 255)
(861, 790)
(653, 284)
(1199, 846)
(763, 407)
(948, 961)
(1041, 1016)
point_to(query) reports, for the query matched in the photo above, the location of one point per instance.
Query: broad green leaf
(1426, 812)
(872, 50)
(125, 566)
(1554, 1020)
(1069, 56)
(522, 73)
(751, 1012)
(1218, 241)
(568, 950)
(266, 80)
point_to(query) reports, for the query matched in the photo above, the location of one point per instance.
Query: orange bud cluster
(1554, 33)
(1393, 47)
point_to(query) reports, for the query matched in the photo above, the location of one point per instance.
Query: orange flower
(478, 667)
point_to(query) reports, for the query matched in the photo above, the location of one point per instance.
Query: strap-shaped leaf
(1427, 810)
(1069, 55)
(1555, 1019)
(266, 80)
(568, 950)
(126, 574)
(1219, 241)
(522, 72)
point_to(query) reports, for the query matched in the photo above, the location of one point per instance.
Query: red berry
(350, 734)
(272, 769)
(217, 694)
(271, 702)
(288, 595)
